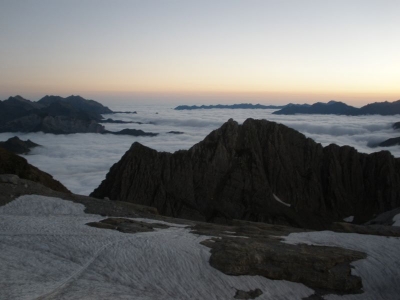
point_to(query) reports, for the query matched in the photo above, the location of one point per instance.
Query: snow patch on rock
(280, 201)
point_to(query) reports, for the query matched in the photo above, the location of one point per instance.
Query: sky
(186, 51)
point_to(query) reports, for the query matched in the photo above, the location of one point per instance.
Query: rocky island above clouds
(57, 115)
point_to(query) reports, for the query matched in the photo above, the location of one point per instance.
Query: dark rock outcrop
(18, 146)
(340, 108)
(11, 163)
(396, 125)
(133, 132)
(252, 294)
(316, 267)
(259, 171)
(118, 121)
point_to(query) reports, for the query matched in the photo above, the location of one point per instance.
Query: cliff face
(258, 171)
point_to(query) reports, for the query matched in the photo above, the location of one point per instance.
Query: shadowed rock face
(241, 171)
(11, 163)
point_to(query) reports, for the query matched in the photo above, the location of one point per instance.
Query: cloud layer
(81, 161)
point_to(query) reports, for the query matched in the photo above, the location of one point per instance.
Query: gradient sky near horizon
(202, 51)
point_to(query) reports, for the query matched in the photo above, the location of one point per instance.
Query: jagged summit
(258, 171)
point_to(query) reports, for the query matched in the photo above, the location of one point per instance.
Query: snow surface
(380, 271)
(396, 220)
(47, 252)
(280, 201)
(349, 219)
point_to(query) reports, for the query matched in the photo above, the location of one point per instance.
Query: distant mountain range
(330, 108)
(340, 108)
(233, 106)
(57, 115)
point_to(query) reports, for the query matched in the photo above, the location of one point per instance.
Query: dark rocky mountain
(381, 108)
(233, 106)
(51, 114)
(340, 108)
(332, 107)
(16, 107)
(11, 163)
(396, 125)
(57, 115)
(79, 103)
(18, 146)
(390, 142)
(259, 171)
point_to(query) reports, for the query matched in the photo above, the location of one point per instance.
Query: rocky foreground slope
(51, 249)
(258, 171)
(241, 248)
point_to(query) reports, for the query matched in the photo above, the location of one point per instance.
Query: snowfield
(47, 252)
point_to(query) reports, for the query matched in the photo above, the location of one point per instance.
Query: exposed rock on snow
(127, 225)
(380, 271)
(248, 295)
(381, 230)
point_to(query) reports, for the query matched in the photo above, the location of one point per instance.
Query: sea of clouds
(81, 161)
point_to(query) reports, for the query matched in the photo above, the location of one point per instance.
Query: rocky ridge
(259, 171)
(18, 146)
(340, 108)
